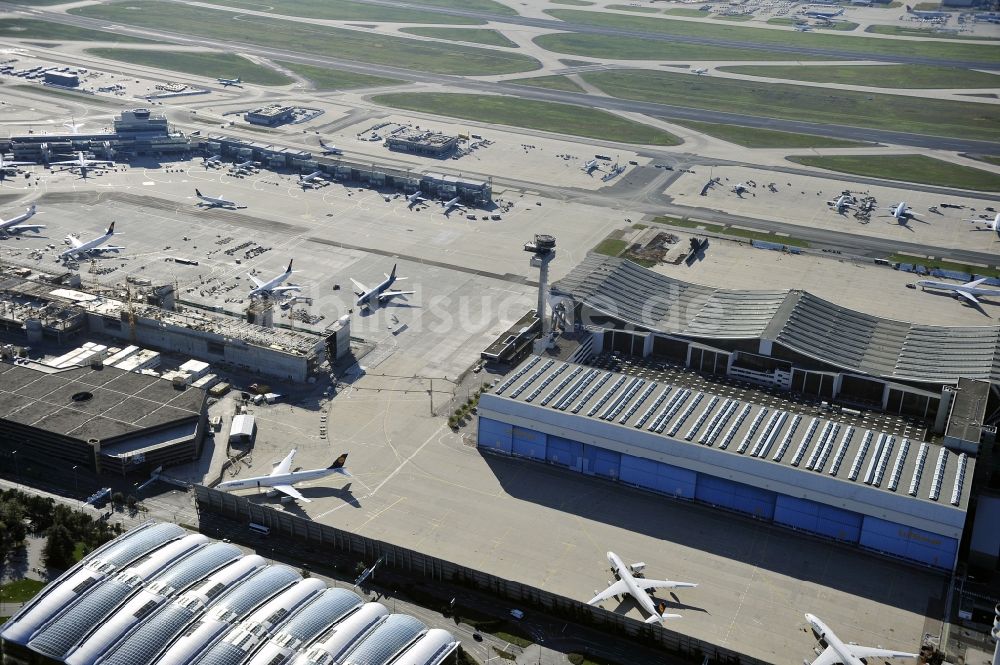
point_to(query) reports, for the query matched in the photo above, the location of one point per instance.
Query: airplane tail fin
(909, 9)
(31, 209)
(392, 275)
(338, 465)
(661, 614)
(289, 268)
(197, 191)
(111, 229)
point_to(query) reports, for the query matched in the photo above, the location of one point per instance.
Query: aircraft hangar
(720, 397)
(158, 594)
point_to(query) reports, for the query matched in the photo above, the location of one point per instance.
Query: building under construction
(46, 311)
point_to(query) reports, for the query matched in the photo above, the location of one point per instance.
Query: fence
(431, 568)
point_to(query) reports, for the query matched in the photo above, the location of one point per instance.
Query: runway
(466, 84)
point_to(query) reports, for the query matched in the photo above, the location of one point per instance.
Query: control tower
(543, 250)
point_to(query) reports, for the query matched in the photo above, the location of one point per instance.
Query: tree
(132, 503)
(59, 546)
(118, 500)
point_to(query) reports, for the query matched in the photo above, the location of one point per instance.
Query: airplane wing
(74, 242)
(386, 295)
(108, 248)
(873, 652)
(284, 465)
(255, 281)
(828, 657)
(359, 286)
(20, 228)
(72, 162)
(617, 589)
(976, 282)
(282, 289)
(292, 492)
(969, 297)
(663, 584)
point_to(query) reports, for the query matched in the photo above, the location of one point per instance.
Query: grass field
(611, 247)
(685, 11)
(845, 43)
(574, 3)
(530, 114)
(92, 100)
(751, 137)
(877, 76)
(746, 234)
(918, 32)
(213, 64)
(550, 82)
(944, 265)
(335, 79)
(732, 17)
(812, 104)
(21, 591)
(907, 168)
(437, 57)
(27, 28)
(599, 46)
(477, 5)
(346, 10)
(477, 35)
(630, 8)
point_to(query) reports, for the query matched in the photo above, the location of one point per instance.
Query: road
(467, 84)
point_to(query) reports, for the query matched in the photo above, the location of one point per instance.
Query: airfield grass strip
(903, 31)
(326, 78)
(437, 57)
(745, 234)
(530, 114)
(212, 64)
(346, 10)
(600, 46)
(753, 137)
(751, 35)
(29, 28)
(549, 82)
(944, 265)
(876, 76)
(936, 117)
(906, 168)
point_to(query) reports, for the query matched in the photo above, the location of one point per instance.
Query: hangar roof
(856, 453)
(804, 323)
(86, 403)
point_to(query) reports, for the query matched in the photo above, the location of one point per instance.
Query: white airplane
(699, 70)
(381, 293)
(823, 13)
(330, 149)
(991, 224)
(415, 198)
(272, 286)
(968, 291)
(10, 166)
(249, 164)
(228, 82)
(14, 225)
(803, 28)
(838, 653)
(631, 582)
(453, 204)
(84, 163)
(925, 15)
(843, 202)
(313, 178)
(282, 477)
(590, 166)
(73, 125)
(91, 246)
(214, 160)
(214, 201)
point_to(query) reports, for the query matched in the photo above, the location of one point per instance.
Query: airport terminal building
(158, 594)
(735, 399)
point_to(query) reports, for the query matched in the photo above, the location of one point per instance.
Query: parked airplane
(214, 160)
(313, 178)
(803, 28)
(14, 225)
(630, 581)
(73, 126)
(839, 653)
(843, 202)
(991, 224)
(214, 201)
(700, 70)
(228, 82)
(271, 287)
(902, 213)
(925, 15)
(453, 204)
(415, 198)
(282, 477)
(78, 248)
(10, 166)
(330, 149)
(381, 293)
(84, 163)
(823, 13)
(249, 164)
(968, 291)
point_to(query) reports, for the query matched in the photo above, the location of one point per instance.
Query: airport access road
(663, 111)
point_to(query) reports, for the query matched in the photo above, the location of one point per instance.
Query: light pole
(76, 481)
(17, 468)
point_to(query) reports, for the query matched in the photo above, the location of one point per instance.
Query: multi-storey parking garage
(159, 595)
(858, 481)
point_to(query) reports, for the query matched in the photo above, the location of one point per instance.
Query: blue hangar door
(909, 542)
(495, 435)
(658, 477)
(528, 443)
(735, 496)
(601, 462)
(818, 518)
(565, 452)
